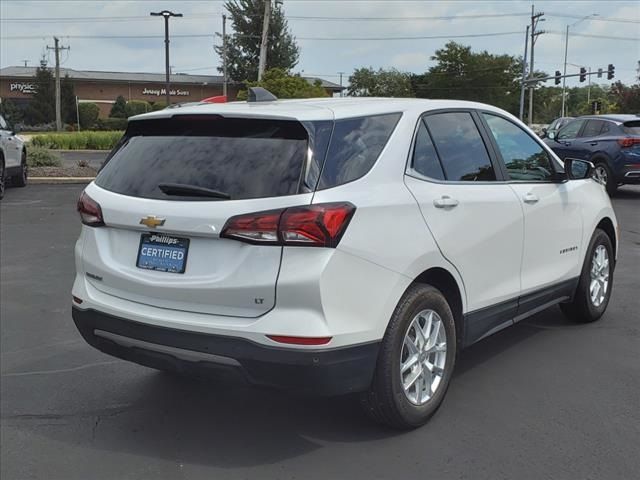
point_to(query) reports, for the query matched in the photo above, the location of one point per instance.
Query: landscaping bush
(136, 107)
(77, 140)
(110, 124)
(41, 157)
(88, 113)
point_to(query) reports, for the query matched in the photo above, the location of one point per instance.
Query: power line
(209, 35)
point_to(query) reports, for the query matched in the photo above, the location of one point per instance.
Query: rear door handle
(593, 144)
(530, 198)
(445, 202)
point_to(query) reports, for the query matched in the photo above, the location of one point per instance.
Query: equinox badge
(152, 221)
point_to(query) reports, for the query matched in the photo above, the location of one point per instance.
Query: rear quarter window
(356, 144)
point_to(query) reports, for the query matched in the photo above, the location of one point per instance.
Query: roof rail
(259, 94)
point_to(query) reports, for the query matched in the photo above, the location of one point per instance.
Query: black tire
(582, 308)
(3, 178)
(606, 176)
(386, 401)
(20, 180)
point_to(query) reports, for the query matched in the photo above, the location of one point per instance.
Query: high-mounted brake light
(629, 141)
(90, 211)
(320, 225)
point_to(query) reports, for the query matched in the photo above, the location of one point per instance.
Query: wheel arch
(606, 224)
(444, 281)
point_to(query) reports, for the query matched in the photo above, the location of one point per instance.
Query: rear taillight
(89, 210)
(320, 225)
(629, 142)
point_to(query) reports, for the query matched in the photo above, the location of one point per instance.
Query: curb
(59, 180)
(79, 151)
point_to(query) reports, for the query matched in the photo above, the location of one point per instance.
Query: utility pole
(25, 62)
(589, 89)
(166, 14)
(524, 73)
(341, 91)
(566, 49)
(535, 18)
(57, 48)
(224, 55)
(265, 39)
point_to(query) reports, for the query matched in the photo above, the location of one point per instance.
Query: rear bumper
(631, 174)
(321, 372)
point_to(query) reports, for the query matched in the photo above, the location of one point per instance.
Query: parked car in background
(13, 157)
(335, 246)
(554, 126)
(610, 142)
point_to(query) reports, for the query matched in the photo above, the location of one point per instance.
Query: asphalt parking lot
(543, 399)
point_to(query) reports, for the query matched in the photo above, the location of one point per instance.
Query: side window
(3, 124)
(460, 147)
(355, 146)
(570, 130)
(605, 128)
(524, 158)
(592, 128)
(425, 159)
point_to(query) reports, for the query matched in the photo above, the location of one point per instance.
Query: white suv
(13, 157)
(334, 245)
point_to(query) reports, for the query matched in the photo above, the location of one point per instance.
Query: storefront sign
(26, 88)
(161, 92)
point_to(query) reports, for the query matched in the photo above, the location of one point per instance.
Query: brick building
(102, 88)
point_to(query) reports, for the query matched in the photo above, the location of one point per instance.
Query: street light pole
(566, 49)
(166, 14)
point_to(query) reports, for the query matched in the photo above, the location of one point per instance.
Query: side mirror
(543, 132)
(577, 169)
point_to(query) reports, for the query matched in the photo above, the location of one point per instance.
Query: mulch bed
(62, 171)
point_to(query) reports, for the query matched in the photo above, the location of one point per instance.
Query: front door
(552, 218)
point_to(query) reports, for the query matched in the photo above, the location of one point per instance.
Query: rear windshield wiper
(191, 191)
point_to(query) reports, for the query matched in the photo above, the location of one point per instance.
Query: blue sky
(324, 58)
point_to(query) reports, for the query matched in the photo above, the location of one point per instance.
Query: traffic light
(583, 74)
(558, 75)
(611, 71)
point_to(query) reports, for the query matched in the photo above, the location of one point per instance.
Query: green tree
(88, 113)
(462, 74)
(243, 46)
(11, 112)
(42, 105)
(366, 82)
(118, 110)
(625, 97)
(283, 85)
(67, 101)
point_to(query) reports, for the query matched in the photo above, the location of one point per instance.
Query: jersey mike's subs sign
(161, 92)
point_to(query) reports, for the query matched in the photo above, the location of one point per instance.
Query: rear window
(632, 128)
(243, 158)
(356, 144)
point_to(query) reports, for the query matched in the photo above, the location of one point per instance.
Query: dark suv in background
(610, 142)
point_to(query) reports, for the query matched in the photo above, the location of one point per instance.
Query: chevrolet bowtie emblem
(152, 221)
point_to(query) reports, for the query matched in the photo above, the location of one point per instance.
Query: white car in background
(13, 157)
(334, 245)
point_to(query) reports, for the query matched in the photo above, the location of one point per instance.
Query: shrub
(41, 157)
(88, 113)
(155, 106)
(136, 107)
(77, 140)
(119, 108)
(110, 124)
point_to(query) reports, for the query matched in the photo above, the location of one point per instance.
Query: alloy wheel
(601, 175)
(423, 357)
(599, 285)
